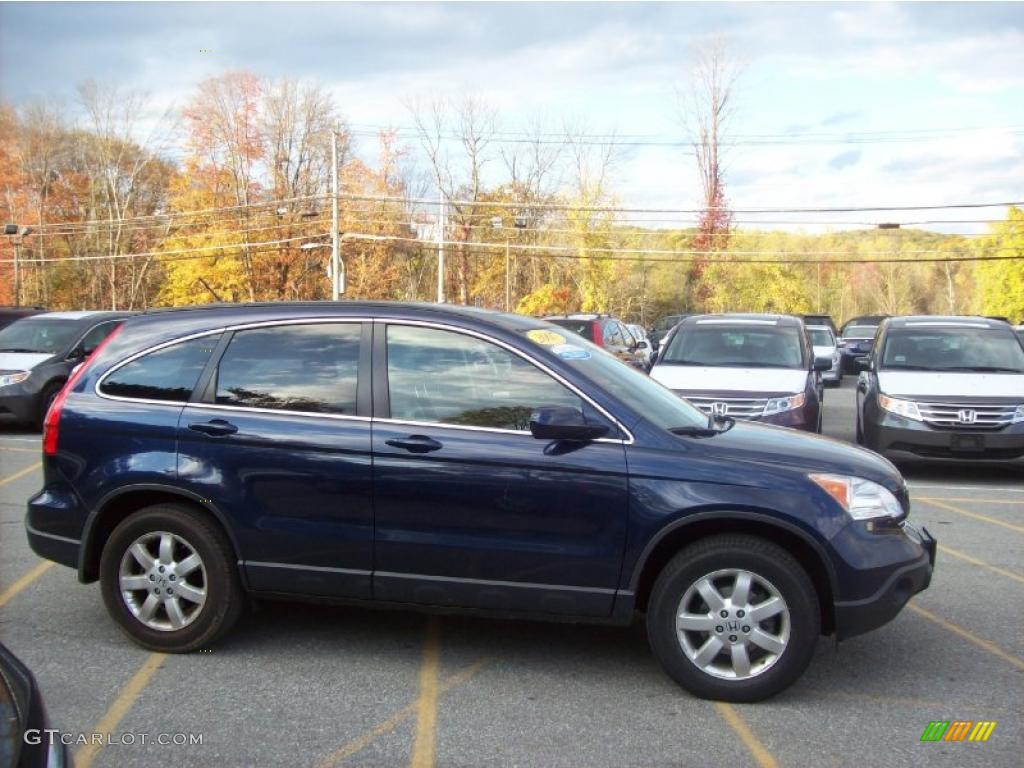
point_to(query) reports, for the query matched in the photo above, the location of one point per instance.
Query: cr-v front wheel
(169, 579)
(733, 618)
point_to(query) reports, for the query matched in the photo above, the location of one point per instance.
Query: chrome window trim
(212, 332)
(628, 440)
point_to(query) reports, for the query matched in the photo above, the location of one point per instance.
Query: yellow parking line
(956, 629)
(9, 593)
(364, 740)
(122, 704)
(975, 561)
(426, 706)
(973, 501)
(21, 450)
(975, 515)
(757, 750)
(20, 474)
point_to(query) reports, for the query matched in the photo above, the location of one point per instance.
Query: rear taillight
(598, 336)
(51, 423)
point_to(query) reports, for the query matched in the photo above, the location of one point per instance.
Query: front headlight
(8, 379)
(862, 499)
(783, 404)
(906, 408)
(1018, 415)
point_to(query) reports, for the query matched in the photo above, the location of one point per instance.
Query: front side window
(168, 374)
(735, 347)
(310, 368)
(96, 335)
(451, 378)
(981, 350)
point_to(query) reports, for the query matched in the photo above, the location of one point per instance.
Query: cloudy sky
(839, 104)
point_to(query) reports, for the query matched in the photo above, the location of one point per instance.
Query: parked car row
(38, 351)
(454, 457)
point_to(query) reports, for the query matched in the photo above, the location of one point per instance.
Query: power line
(588, 253)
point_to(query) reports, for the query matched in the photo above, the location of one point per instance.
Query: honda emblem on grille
(719, 409)
(967, 416)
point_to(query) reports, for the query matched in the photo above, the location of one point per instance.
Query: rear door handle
(214, 427)
(415, 443)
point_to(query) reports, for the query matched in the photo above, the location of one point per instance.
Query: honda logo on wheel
(719, 409)
(967, 416)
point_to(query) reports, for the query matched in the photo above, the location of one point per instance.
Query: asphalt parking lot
(303, 685)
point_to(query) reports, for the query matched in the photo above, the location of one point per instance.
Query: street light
(16, 234)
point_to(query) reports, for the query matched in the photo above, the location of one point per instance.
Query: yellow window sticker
(544, 337)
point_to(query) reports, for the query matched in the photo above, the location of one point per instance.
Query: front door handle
(415, 443)
(214, 428)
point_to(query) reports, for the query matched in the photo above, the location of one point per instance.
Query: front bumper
(19, 402)
(855, 617)
(897, 434)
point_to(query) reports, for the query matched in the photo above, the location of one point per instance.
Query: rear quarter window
(168, 374)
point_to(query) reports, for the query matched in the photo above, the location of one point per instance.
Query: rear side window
(451, 378)
(584, 328)
(96, 335)
(169, 374)
(311, 368)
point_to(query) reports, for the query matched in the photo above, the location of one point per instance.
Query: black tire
(224, 596)
(860, 430)
(46, 399)
(766, 561)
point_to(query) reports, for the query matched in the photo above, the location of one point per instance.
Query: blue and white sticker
(571, 352)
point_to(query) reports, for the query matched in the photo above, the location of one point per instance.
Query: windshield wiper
(902, 367)
(19, 349)
(710, 430)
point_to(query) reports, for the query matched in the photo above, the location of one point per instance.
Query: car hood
(21, 361)
(967, 385)
(695, 378)
(803, 452)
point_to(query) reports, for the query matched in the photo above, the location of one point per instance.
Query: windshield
(822, 337)
(735, 347)
(860, 332)
(656, 403)
(39, 336)
(584, 328)
(985, 350)
(668, 322)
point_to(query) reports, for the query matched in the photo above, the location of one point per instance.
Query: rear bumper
(856, 617)
(53, 524)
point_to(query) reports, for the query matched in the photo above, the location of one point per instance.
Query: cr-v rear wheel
(733, 618)
(169, 579)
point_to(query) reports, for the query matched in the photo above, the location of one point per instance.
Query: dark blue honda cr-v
(445, 456)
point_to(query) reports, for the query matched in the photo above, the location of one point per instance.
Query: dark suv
(440, 456)
(606, 332)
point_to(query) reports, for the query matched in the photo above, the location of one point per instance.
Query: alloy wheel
(733, 624)
(163, 581)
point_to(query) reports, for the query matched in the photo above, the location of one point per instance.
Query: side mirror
(642, 344)
(77, 355)
(560, 422)
(822, 363)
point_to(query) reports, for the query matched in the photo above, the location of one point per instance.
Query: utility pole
(440, 250)
(336, 287)
(508, 277)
